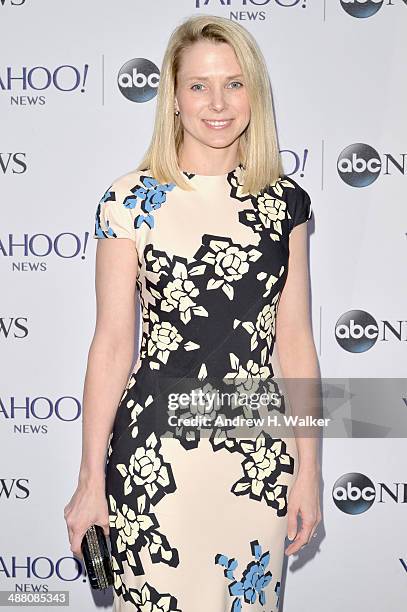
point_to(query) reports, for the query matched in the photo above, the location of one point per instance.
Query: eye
(196, 84)
(238, 82)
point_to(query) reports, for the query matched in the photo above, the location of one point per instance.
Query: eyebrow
(203, 78)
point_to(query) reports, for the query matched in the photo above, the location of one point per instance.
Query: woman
(197, 516)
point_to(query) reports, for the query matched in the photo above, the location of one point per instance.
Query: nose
(217, 100)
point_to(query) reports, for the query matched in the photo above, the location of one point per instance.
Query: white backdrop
(67, 130)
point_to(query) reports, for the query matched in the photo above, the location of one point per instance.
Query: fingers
(76, 536)
(304, 535)
(80, 517)
(75, 539)
(76, 544)
(292, 524)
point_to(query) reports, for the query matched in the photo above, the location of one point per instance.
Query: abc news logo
(359, 164)
(357, 331)
(354, 493)
(138, 80)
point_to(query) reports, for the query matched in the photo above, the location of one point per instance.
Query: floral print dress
(197, 513)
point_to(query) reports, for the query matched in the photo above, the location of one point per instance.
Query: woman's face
(210, 86)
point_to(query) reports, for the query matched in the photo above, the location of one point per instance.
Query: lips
(217, 123)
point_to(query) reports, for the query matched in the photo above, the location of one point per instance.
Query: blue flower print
(151, 195)
(109, 196)
(253, 581)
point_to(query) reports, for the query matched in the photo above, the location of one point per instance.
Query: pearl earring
(177, 112)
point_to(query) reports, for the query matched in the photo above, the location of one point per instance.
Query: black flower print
(118, 584)
(147, 468)
(263, 329)
(229, 262)
(135, 410)
(164, 339)
(130, 524)
(145, 599)
(269, 214)
(281, 185)
(271, 209)
(249, 370)
(271, 280)
(265, 460)
(175, 289)
(235, 180)
(135, 528)
(133, 407)
(149, 599)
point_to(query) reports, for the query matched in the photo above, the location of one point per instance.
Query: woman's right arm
(109, 362)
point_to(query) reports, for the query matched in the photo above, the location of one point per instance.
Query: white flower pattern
(146, 467)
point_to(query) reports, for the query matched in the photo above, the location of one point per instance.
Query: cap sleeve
(299, 206)
(114, 217)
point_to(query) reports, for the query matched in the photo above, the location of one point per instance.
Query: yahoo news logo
(67, 569)
(243, 3)
(356, 331)
(40, 78)
(354, 493)
(31, 414)
(359, 164)
(66, 245)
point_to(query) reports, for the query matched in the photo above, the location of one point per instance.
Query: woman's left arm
(300, 373)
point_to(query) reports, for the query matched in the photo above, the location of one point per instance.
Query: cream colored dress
(198, 514)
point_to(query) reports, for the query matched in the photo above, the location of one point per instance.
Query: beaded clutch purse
(97, 558)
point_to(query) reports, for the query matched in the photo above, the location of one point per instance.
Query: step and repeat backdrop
(78, 85)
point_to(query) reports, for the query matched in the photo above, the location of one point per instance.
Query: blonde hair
(258, 148)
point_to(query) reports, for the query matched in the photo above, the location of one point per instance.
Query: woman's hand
(88, 506)
(303, 500)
